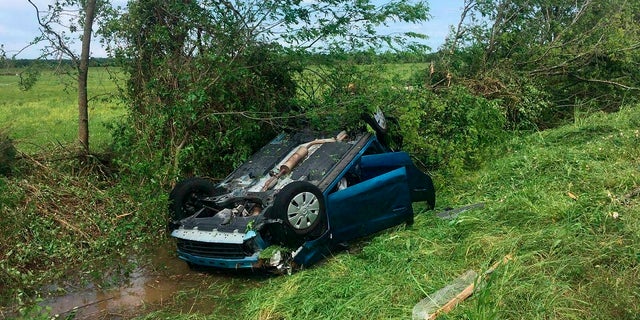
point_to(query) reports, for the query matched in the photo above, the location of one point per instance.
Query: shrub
(7, 154)
(452, 129)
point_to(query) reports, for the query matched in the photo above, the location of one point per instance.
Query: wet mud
(151, 286)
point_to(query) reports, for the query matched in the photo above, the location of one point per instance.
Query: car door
(420, 183)
(377, 203)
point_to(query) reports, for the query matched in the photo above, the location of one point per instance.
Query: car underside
(302, 193)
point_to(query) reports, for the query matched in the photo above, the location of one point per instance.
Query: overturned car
(302, 194)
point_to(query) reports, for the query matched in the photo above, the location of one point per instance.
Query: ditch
(160, 281)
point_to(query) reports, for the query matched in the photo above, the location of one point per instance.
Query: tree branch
(613, 83)
(58, 42)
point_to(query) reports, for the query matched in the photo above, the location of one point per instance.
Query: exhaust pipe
(297, 157)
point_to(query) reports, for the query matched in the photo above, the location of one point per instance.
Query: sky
(18, 25)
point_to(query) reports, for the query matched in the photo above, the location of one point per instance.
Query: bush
(7, 154)
(452, 129)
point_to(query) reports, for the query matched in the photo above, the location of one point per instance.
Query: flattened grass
(561, 201)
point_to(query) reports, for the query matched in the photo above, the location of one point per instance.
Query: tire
(300, 205)
(410, 220)
(184, 199)
(431, 195)
(377, 121)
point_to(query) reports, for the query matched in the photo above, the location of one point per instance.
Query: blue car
(299, 197)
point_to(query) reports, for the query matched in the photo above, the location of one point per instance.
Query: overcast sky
(18, 25)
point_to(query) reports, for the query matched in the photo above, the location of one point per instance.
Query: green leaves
(552, 57)
(211, 81)
(7, 154)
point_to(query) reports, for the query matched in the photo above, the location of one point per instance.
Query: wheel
(377, 121)
(431, 193)
(410, 220)
(300, 205)
(184, 199)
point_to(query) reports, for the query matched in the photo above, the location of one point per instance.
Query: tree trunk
(83, 70)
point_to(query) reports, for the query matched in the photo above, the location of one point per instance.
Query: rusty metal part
(298, 156)
(294, 160)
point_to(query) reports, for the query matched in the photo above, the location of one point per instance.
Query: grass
(561, 201)
(62, 218)
(47, 114)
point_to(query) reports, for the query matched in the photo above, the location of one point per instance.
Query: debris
(572, 196)
(453, 213)
(445, 299)
(459, 289)
(120, 216)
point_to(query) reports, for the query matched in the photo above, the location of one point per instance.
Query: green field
(563, 202)
(47, 114)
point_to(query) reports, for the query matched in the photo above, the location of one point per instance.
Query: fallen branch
(605, 82)
(76, 308)
(71, 227)
(120, 216)
(467, 292)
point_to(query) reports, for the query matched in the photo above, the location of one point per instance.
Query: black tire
(184, 199)
(410, 220)
(300, 205)
(377, 122)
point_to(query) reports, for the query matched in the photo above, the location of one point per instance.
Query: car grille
(214, 250)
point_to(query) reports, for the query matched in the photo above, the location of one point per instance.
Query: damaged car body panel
(304, 193)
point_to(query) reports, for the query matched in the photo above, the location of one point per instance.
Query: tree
(59, 44)
(545, 58)
(212, 80)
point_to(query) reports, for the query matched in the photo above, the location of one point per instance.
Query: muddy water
(150, 286)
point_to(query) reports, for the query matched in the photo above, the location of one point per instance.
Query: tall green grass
(563, 202)
(48, 113)
(560, 201)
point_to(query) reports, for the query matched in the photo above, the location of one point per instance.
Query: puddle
(145, 289)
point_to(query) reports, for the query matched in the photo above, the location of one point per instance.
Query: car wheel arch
(183, 197)
(300, 208)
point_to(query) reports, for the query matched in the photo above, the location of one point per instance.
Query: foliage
(574, 257)
(447, 130)
(451, 130)
(7, 154)
(208, 88)
(60, 221)
(547, 59)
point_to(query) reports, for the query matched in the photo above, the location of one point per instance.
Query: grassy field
(48, 113)
(564, 203)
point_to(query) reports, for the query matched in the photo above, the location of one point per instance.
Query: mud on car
(296, 199)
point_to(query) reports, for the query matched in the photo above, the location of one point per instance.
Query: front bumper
(219, 249)
(242, 263)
